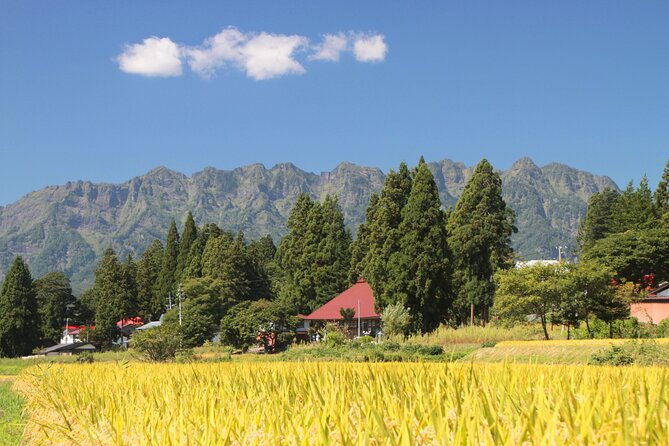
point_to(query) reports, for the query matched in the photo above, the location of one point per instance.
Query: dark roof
(359, 296)
(76, 347)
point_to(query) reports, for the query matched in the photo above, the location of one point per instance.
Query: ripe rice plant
(344, 403)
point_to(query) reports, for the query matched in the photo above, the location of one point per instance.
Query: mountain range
(66, 228)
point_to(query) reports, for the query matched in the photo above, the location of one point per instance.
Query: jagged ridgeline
(67, 228)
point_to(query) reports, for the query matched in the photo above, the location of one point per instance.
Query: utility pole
(561, 250)
(180, 294)
(358, 317)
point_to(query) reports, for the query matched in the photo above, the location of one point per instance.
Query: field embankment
(575, 351)
(345, 403)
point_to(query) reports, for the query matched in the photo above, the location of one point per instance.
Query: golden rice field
(344, 403)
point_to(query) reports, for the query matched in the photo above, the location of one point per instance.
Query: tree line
(444, 266)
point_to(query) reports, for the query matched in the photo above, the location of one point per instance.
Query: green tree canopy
(19, 320)
(54, 295)
(419, 271)
(480, 231)
(150, 301)
(167, 280)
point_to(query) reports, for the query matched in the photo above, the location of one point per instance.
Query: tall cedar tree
(150, 302)
(419, 271)
(54, 295)
(661, 197)
(384, 232)
(188, 237)
(480, 231)
(111, 297)
(634, 208)
(129, 274)
(599, 217)
(361, 245)
(315, 254)
(194, 269)
(167, 284)
(19, 320)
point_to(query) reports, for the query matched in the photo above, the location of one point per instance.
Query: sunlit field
(344, 403)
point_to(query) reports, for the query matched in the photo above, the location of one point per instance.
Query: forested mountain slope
(66, 228)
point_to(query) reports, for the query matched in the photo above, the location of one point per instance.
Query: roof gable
(359, 297)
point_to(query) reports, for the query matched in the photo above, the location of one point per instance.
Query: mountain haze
(66, 228)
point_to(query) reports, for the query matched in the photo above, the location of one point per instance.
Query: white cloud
(153, 57)
(259, 55)
(330, 49)
(215, 52)
(269, 55)
(370, 48)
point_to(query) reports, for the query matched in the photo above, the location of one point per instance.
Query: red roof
(137, 321)
(359, 294)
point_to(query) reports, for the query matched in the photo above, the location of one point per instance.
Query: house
(72, 333)
(654, 307)
(366, 321)
(127, 327)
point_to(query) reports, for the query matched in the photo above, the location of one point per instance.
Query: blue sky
(582, 83)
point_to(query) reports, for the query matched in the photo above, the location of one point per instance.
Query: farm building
(358, 297)
(655, 307)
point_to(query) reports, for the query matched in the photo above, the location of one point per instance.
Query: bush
(157, 344)
(334, 335)
(396, 320)
(646, 352)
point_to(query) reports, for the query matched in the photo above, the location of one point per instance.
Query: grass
(551, 352)
(11, 414)
(477, 335)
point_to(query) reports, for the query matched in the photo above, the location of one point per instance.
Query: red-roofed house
(360, 298)
(655, 307)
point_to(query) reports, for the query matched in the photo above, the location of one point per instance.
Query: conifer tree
(129, 286)
(599, 218)
(19, 320)
(150, 302)
(634, 209)
(661, 196)
(480, 231)
(419, 272)
(54, 294)
(362, 243)
(167, 280)
(188, 237)
(382, 233)
(315, 254)
(110, 297)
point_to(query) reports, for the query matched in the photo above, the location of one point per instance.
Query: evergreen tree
(19, 320)
(315, 254)
(150, 302)
(362, 243)
(129, 284)
(188, 237)
(599, 218)
(384, 235)
(167, 281)
(419, 271)
(480, 231)
(661, 196)
(54, 295)
(110, 297)
(634, 209)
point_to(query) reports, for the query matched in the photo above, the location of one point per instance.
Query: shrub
(646, 352)
(396, 320)
(157, 344)
(334, 335)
